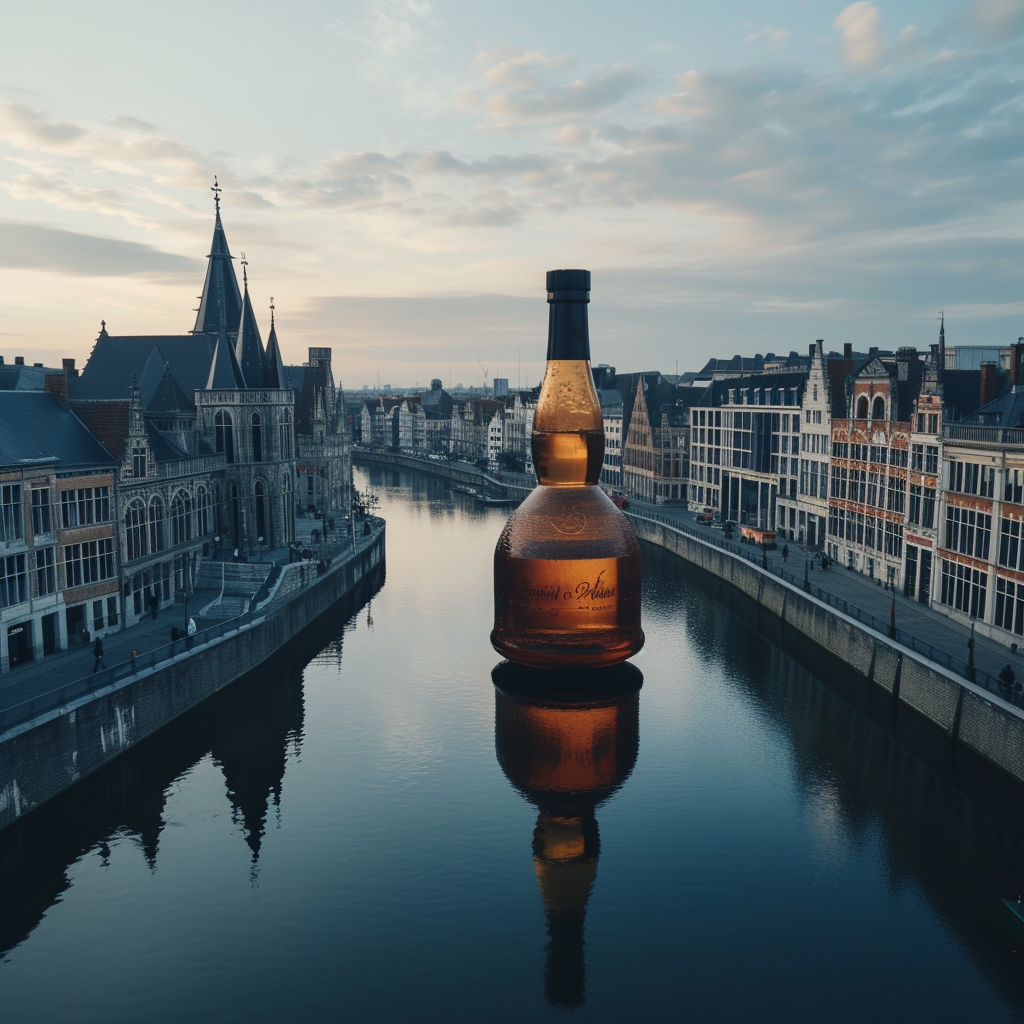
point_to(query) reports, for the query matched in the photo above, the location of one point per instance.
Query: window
(1013, 491)
(10, 512)
(46, 574)
(42, 513)
(878, 408)
(931, 460)
(967, 531)
(13, 581)
(1010, 605)
(964, 588)
(917, 458)
(1010, 548)
(896, 495)
(224, 434)
(928, 508)
(257, 437)
(862, 407)
(112, 611)
(181, 518)
(157, 537)
(135, 530)
(914, 510)
(85, 506)
(287, 444)
(89, 562)
(971, 478)
(202, 511)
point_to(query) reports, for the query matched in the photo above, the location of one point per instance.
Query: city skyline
(400, 175)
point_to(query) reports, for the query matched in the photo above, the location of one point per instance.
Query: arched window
(157, 515)
(259, 493)
(135, 530)
(878, 408)
(257, 438)
(224, 429)
(181, 518)
(287, 449)
(862, 407)
(202, 512)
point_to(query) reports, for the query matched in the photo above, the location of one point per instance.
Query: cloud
(774, 37)
(862, 44)
(997, 21)
(35, 246)
(522, 87)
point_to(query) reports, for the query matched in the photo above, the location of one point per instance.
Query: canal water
(383, 835)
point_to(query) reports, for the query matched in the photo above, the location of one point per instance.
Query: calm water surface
(384, 836)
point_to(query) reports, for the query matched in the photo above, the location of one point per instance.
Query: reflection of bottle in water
(566, 754)
(567, 566)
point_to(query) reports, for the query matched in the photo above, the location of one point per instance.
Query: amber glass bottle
(567, 566)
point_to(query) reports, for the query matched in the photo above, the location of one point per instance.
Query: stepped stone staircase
(224, 589)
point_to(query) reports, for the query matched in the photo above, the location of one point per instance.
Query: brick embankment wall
(967, 714)
(45, 756)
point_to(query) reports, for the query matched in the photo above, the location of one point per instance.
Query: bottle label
(553, 594)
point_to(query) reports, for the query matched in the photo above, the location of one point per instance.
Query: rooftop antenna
(216, 190)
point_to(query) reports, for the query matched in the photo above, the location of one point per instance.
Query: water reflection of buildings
(566, 755)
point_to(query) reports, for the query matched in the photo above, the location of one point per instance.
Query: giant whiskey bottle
(567, 566)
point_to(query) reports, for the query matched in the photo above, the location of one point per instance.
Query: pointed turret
(220, 306)
(224, 371)
(942, 342)
(273, 364)
(248, 345)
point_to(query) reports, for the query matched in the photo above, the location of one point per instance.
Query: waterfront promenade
(70, 672)
(937, 636)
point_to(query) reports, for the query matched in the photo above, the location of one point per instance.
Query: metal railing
(883, 626)
(982, 434)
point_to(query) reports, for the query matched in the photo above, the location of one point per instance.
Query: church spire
(942, 340)
(273, 365)
(220, 305)
(248, 344)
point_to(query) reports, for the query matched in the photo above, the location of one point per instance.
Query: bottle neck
(568, 330)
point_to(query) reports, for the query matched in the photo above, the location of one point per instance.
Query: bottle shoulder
(567, 522)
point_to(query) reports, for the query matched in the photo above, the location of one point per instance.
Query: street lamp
(891, 574)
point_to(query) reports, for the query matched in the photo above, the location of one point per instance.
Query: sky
(739, 177)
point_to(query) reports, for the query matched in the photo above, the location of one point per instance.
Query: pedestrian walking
(97, 650)
(785, 552)
(191, 633)
(1006, 677)
(131, 657)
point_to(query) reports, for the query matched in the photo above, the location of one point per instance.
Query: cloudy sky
(739, 176)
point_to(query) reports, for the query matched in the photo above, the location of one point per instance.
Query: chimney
(38, 366)
(873, 351)
(989, 383)
(56, 384)
(1016, 353)
(810, 350)
(69, 367)
(848, 350)
(19, 360)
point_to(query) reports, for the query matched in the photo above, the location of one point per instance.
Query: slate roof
(274, 375)
(249, 345)
(169, 398)
(37, 426)
(220, 307)
(961, 392)
(24, 378)
(116, 360)
(1005, 411)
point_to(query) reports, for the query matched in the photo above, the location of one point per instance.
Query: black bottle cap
(568, 286)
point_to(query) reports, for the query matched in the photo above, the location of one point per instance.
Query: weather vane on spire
(216, 190)
(271, 310)
(245, 273)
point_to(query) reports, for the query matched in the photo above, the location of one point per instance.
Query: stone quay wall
(970, 716)
(47, 755)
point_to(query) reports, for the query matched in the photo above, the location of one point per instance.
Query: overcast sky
(738, 176)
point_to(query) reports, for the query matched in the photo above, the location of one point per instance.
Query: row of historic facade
(118, 479)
